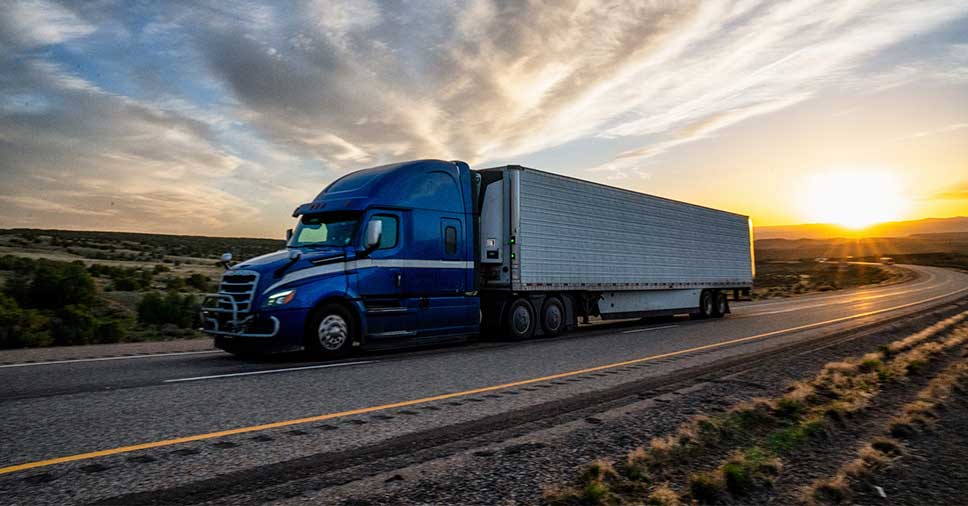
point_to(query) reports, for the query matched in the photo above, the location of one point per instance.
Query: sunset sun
(853, 199)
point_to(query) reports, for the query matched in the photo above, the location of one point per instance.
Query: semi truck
(431, 251)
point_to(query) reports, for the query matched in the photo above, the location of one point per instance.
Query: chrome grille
(240, 286)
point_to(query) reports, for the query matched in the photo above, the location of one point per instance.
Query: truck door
(447, 311)
(390, 316)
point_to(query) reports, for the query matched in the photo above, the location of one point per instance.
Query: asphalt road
(87, 430)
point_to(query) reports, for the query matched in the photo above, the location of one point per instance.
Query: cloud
(360, 84)
(29, 23)
(107, 161)
(176, 110)
(772, 57)
(954, 127)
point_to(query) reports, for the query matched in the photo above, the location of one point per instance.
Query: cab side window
(390, 231)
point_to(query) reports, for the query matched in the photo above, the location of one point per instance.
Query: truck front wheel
(330, 333)
(519, 320)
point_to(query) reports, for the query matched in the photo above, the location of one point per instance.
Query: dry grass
(662, 495)
(594, 487)
(882, 451)
(766, 430)
(834, 490)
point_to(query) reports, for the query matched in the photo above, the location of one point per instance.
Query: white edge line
(268, 371)
(100, 359)
(648, 329)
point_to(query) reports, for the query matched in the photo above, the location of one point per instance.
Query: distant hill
(869, 247)
(135, 246)
(891, 229)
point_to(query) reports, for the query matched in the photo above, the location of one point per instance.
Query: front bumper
(220, 321)
(258, 332)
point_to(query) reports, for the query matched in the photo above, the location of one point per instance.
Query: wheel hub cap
(553, 317)
(333, 332)
(521, 320)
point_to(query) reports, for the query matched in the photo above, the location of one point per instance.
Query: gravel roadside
(31, 355)
(933, 470)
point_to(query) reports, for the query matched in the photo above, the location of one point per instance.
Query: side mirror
(226, 260)
(288, 234)
(374, 232)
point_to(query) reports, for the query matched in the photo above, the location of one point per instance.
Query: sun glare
(852, 199)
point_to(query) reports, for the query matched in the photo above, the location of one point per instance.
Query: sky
(219, 117)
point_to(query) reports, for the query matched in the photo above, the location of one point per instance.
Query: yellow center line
(401, 404)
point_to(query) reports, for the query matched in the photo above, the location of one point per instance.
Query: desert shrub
(199, 282)
(125, 284)
(160, 269)
(112, 330)
(125, 279)
(173, 283)
(20, 328)
(172, 308)
(73, 324)
(52, 285)
(15, 263)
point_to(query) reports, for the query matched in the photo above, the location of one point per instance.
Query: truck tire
(722, 304)
(707, 305)
(331, 332)
(519, 320)
(553, 317)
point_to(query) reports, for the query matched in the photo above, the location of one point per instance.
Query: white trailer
(597, 250)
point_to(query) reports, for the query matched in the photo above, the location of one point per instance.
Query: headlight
(281, 298)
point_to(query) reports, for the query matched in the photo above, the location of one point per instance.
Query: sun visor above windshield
(308, 208)
(330, 205)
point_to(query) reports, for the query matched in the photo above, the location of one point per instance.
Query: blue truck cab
(382, 257)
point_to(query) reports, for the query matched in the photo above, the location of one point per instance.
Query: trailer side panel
(571, 234)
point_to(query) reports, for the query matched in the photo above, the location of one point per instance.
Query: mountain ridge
(907, 228)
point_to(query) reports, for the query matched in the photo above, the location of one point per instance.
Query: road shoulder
(95, 351)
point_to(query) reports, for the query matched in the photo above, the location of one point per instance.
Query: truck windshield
(328, 229)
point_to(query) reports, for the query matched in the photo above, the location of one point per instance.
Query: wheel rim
(722, 305)
(553, 318)
(333, 332)
(707, 304)
(521, 320)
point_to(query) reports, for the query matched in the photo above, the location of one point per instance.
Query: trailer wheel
(707, 305)
(722, 305)
(520, 320)
(553, 317)
(331, 332)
